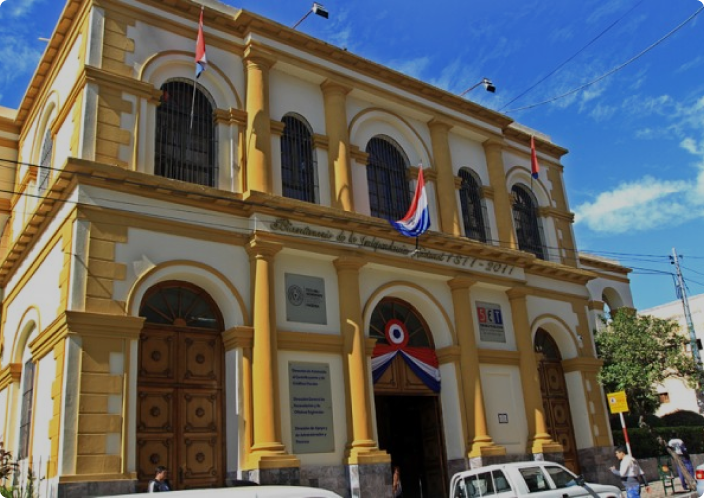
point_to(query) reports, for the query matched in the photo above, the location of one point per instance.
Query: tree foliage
(640, 352)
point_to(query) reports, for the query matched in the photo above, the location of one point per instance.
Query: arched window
(387, 166)
(182, 305)
(44, 172)
(392, 310)
(473, 207)
(186, 139)
(299, 169)
(528, 226)
(26, 413)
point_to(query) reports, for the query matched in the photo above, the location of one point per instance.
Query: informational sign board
(305, 299)
(491, 322)
(311, 408)
(617, 402)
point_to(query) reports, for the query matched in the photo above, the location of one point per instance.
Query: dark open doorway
(410, 430)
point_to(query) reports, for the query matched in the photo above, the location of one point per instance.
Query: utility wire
(570, 58)
(246, 228)
(614, 70)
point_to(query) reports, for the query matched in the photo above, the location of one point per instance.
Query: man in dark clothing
(160, 482)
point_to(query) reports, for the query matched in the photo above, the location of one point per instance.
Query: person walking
(160, 483)
(630, 473)
(680, 449)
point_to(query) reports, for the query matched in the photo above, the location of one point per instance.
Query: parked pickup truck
(526, 479)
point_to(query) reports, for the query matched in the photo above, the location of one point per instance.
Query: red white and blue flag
(422, 361)
(417, 219)
(201, 60)
(534, 168)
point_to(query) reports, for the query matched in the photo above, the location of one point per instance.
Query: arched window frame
(387, 178)
(299, 165)
(183, 150)
(527, 223)
(45, 161)
(474, 213)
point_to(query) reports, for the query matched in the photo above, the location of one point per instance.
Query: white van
(538, 479)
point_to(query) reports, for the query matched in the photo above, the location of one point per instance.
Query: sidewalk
(657, 490)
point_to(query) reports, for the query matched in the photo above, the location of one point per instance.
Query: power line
(612, 71)
(572, 57)
(552, 251)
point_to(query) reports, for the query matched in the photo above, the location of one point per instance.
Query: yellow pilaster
(502, 201)
(589, 369)
(539, 441)
(479, 442)
(267, 450)
(361, 449)
(445, 184)
(335, 97)
(258, 122)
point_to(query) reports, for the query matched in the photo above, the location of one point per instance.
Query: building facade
(675, 394)
(204, 276)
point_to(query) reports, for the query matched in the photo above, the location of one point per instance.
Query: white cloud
(411, 67)
(17, 8)
(697, 61)
(638, 206)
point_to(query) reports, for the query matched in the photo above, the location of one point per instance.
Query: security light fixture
(317, 9)
(488, 86)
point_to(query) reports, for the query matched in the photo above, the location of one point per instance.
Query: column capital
(493, 143)
(436, 124)
(461, 282)
(517, 293)
(255, 57)
(349, 262)
(331, 87)
(262, 248)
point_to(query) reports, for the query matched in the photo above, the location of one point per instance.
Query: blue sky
(635, 171)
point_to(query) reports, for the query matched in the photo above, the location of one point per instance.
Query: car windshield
(561, 477)
(535, 479)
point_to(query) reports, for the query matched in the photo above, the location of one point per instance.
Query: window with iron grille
(45, 163)
(473, 207)
(186, 147)
(526, 222)
(387, 170)
(299, 168)
(26, 414)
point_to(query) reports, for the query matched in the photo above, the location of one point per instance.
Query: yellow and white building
(212, 293)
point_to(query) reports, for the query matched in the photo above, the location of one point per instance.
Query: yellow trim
(10, 144)
(383, 290)
(403, 120)
(309, 342)
(238, 337)
(139, 282)
(499, 357)
(168, 53)
(10, 374)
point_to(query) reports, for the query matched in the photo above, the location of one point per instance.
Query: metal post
(687, 314)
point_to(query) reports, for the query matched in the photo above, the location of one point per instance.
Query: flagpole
(195, 74)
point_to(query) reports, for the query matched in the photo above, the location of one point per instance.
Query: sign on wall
(305, 299)
(311, 407)
(491, 322)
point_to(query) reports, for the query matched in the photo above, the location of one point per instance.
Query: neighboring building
(674, 393)
(222, 294)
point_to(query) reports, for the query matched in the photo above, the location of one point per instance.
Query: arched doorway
(556, 402)
(406, 394)
(179, 387)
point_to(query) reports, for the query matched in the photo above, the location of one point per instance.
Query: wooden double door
(556, 404)
(180, 406)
